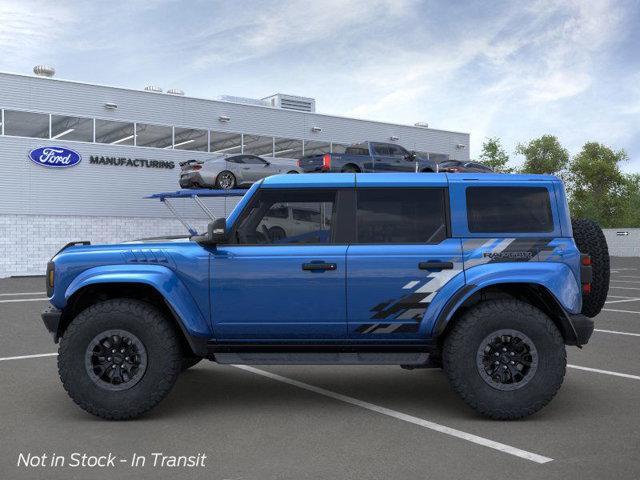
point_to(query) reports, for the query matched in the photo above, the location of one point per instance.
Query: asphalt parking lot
(330, 422)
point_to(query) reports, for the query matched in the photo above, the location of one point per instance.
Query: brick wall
(27, 242)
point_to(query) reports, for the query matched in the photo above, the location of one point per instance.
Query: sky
(513, 70)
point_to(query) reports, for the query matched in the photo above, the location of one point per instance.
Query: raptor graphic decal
(409, 307)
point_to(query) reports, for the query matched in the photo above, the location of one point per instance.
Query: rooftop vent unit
(175, 91)
(422, 124)
(244, 100)
(292, 102)
(153, 88)
(44, 71)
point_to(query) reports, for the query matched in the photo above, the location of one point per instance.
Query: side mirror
(267, 163)
(410, 156)
(216, 233)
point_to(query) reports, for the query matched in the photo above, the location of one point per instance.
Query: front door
(403, 263)
(282, 278)
(255, 168)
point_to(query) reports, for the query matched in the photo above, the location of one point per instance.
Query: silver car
(231, 171)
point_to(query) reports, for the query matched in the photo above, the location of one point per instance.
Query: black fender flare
(540, 297)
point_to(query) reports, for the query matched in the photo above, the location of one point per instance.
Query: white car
(230, 171)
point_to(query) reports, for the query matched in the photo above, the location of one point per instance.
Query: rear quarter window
(509, 210)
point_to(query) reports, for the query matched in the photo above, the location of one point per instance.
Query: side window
(390, 215)
(267, 220)
(253, 160)
(235, 159)
(397, 151)
(509, 210)
(381, 149)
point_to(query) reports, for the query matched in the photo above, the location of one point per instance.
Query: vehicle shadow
(421, 392)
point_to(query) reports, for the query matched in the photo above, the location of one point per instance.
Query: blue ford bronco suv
(482, 275)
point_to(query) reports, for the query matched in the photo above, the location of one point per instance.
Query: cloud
(29, 30)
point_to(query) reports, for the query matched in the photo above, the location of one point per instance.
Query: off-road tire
(463, 342)
(234, 181)
(163, 350)
(189, 361)
(590, 239)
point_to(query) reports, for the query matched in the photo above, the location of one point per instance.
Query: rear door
(403, 264)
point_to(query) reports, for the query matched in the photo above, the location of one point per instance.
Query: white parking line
(622, 301)
(485, 442)
(619, 311)
(623, 288)
(628, 276)
(15, 300)
(606, 372)
(616, 332)
(23, 293)
(23, 357)
(623, 281)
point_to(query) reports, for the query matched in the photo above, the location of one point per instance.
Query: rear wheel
(590, 240)
(225, 180)
(292, 172)
(119, 358)
(505, 358)
(349, 169)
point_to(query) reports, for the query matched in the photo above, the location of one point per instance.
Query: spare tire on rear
(590, 240)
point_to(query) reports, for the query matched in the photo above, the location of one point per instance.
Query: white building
(42, 209)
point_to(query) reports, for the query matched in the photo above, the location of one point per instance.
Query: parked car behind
(231, 171)
(369, 157)
(459, 166)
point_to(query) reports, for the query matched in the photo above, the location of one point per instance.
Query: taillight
(298, 162)
(586, 273)
(326, 162)
(196, 167)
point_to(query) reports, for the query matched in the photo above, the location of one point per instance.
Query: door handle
(435, 265)
(319, 266)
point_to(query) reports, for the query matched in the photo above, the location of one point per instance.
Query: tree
(494, 156)
(544, 155)
(598, 189)
(631, 210)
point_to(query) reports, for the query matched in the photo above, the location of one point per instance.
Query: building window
(26, 124)
(114, 133)
(338, 147)
(190, 139)
(72, 128)
(157, 136)
(287, 148)
(224, 142)
(258, 145)
(312, 147)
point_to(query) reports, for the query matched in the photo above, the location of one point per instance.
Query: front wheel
(505, 358)
(119, 358)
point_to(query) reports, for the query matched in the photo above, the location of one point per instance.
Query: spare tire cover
(590, 240)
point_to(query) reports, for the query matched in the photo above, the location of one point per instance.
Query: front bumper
(51, 318)
(583, 327)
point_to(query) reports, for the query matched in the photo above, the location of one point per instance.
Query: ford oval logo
(57, 157)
